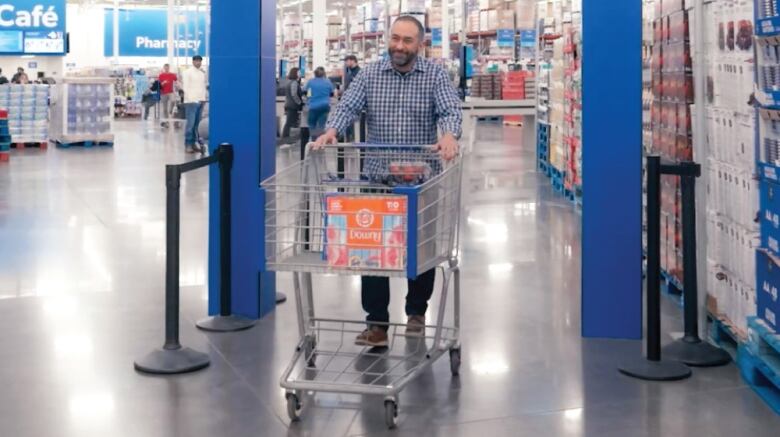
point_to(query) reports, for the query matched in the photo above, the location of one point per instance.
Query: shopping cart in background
(359, 209)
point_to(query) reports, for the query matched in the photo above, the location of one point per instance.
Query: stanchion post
(305, 138)
(172, 358)
(652, 367)
(653, 258)
(226, 321)
(362, 127)
(690, 349)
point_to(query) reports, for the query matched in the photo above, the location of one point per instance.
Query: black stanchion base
(642, 368)
(696, 354)
(172, 361)
(281, 298)
(225, 323)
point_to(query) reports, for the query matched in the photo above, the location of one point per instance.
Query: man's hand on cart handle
(329, 137)
(447, 146)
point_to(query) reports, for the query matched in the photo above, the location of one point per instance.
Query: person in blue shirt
(321, 90)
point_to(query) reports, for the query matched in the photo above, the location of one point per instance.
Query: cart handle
(310, 146)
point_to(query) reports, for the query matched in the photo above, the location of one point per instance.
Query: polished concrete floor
(81, 293)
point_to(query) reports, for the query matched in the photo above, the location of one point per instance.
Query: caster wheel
(391, 414)
(455, 361)
(293, 407)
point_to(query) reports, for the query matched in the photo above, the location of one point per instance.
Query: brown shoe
(374, 337)
(415, 326)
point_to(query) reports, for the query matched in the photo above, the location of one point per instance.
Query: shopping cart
(358, 209)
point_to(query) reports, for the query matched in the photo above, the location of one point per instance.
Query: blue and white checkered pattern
(401, 108)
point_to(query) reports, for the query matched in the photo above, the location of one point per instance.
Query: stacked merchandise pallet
(28, 113)
(559, 94)
(557, 152)
(81, 115)
(513, 87)
(759, 358)
(572, 128)
(492, 28)
(292, 43)
(5, 136)
(648, 18)
(435, 22)
(368, 23)
(337, 43)
(671, 120)
(732, 188)
(547, 36)
(486, 86)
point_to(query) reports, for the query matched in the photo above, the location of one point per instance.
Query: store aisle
(81, 292)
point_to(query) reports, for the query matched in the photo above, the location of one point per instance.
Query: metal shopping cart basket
(358, 209)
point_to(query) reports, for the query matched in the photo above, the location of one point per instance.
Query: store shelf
(369, 35)
(482, 34)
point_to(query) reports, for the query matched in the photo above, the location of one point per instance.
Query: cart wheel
(391, 414)
(293, 406)
(455, 361)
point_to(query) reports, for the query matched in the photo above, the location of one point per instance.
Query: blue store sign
(436, 37)
(32, 27)
(506, 37)
(528, 38)
(144, 32)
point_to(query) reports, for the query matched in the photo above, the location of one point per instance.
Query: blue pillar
(612, 169)
(242, 112)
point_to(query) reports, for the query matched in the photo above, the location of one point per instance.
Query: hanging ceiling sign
(144, 32)
(32, 27)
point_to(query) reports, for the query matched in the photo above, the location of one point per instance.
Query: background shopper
(194, 85)
(320, 89)
(167, 96)
(19, 72)
(293, 102)
(150, 97)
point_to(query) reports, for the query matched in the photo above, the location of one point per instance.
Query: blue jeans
(192, 112)
(317, 119)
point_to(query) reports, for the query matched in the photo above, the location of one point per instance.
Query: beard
(401, 58)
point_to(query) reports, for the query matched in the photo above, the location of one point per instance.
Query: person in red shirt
(167, 96)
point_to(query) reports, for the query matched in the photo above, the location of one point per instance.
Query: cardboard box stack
(5, 136)
(556, 111)
(671, 119)
(28, 112)
(732, 202)
(572, 102)
(486, 86)
(336, 43)
(768, 97)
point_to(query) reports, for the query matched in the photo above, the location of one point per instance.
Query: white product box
(413, 6)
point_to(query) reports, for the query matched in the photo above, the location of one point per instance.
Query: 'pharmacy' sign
(144, 32)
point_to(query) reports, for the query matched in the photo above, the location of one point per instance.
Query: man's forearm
(451, 125)
(341, 119)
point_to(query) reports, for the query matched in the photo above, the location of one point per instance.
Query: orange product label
(366, 231)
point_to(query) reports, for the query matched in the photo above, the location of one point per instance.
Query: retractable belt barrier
(173, 358)
(690, 349)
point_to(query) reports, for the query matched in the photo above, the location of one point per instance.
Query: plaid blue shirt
(401, 108)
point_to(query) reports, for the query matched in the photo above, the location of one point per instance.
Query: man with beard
(408, 101)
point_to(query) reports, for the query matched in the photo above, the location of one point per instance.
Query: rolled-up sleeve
(449, 115)
(351, 105)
